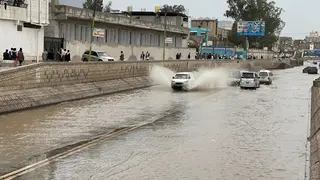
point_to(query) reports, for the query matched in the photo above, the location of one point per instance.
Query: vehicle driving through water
(249, 80)
(265, 77)
(182, 81)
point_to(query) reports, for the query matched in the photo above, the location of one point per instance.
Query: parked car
(313, 70)
(305, 70)
(265, 77)
(249, 80)
(96, 56)
(182, 81)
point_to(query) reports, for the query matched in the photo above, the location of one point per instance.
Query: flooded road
(221, 134)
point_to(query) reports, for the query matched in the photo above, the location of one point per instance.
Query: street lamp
(164, 35)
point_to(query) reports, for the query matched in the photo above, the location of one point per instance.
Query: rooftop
(151, 13)
(62, 12)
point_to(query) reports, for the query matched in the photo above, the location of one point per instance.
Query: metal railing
(15, 3)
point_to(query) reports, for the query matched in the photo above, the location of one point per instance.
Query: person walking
(68, 56)
(121, 56)
(20, 57)
(45, 55)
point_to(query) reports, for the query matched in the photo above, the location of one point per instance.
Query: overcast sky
(299, 22)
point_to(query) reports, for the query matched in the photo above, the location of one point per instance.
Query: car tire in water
(100, 60)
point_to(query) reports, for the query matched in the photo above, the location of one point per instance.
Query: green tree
(93, 4)
(107, 8)
(256, 10)
(173, 8)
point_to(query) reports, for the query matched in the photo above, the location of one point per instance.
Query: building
(225, 24)
(131, 32)
(285, 44)
(222, 36)
(210, 23)
(22, 26)
(313, 37)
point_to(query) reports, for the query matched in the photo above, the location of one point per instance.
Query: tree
(256, 10)
(93, 5)
(173, 8)
(107, 8)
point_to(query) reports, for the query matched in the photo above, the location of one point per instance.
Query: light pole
(92, 27)
(164, 35)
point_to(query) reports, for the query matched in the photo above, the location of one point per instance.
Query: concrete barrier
(49, 83)
(314, 137)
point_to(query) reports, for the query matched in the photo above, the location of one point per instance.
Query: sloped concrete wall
(314, 137)
(48, 83)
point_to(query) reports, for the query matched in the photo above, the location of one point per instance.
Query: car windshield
(181, 76)
(263, 74)
(247, 75)
(100, 54)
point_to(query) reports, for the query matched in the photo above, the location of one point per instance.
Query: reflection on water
(226, 134)
(26, 136)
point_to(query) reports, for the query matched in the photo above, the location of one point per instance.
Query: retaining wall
(314, 137)
(48, 83)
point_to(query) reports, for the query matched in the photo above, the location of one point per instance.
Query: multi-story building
(223, 34)
(210, 23)
(313, 37)
(131, 32)
(285, 44)
(225, 24)
(305, 45)
(21, 26)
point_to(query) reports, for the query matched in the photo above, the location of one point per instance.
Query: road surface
(218, 134)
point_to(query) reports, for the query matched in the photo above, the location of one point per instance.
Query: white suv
(266, 77)
(182, 81)
(96, 56)
(249, 80)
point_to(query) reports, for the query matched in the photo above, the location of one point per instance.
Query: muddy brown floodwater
(221, 134)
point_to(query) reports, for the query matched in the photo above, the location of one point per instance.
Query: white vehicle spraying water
(201, 79)
(182, 81)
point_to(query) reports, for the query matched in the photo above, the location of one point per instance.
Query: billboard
(97, 32)
(250, 28)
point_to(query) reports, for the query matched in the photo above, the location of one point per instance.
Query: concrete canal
(215, 134)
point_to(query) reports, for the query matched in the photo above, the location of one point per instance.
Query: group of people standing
(62, 55)
(17, 57)
(145, 56)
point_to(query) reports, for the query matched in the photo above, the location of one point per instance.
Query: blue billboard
(251, 28)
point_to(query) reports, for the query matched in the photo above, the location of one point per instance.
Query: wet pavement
(222, 134)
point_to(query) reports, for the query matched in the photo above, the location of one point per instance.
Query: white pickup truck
(182, 81)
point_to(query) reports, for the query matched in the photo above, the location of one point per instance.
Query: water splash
(161, 75)
(204, 78)
(210, 78)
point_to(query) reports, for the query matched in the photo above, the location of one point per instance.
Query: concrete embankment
(49, 83)
(314, 137)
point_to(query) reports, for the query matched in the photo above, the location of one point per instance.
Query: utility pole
(200, 45)
(164, 35)
(92, 27)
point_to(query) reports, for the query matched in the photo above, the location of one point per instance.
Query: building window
(112, 36)
(87, 34)
(135, 38)
(82, 33)
(159, 40)
(124, 37)
(65, 31)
